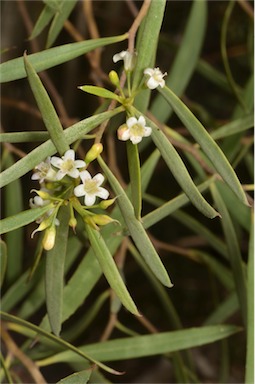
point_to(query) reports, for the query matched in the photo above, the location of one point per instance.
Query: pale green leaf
(23, 218)
(179, 171)
(208, 145)
(20, 137)
(14, 69)
(39, 154)
(98, 91)
(46, 108)
(3, 261)
(236, 126)
(45, 17)
(110, 269)
(234, 252)
(81, 377)
(249, 371)
(186, 58)
(224, 310)
(148, 345)
(135, 177)
(54, 272)
(62, 14)
(136, 228)
(64, 344)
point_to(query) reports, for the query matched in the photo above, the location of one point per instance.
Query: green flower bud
(93, 153)
(114, 79)
(103, 219)
(104, 204)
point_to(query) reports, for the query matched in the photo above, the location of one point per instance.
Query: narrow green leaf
(14, 239)
(249, 371)
(43, 20)
(169, 207)
(60, 17)
(208, 145)
(47, 110)
(3, 260)
(224, 310)
(98, 91)
(136, 229)
(39, 154)
(135, 177)
(81, 377)
(148, 345)
(54, 272)
(21, 137)
(21, 219)
(110, 269)
(14, 69)
(146, 46)
(186, 59)
(179, 171)
(64, 344)
(233, 127)
(234, 253)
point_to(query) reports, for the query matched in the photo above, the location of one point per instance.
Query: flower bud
(72, 223)
(93, 153)
(49, 238)
(104, 204)
(43, 194)
(103, 219)
(121, 131)
(114, 79)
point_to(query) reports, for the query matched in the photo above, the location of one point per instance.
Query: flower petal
(56, 161)
(79, 190)
(152, 83)
(85, 175)
(74, 173)
(148, 71)
(131, 121)
(119, 56)
(99, 178)
(136, 139)
(79, 163)
(142, 121)
(89, 199)
(60, 175)
(103, 193)
(147, 131)
(69, 154)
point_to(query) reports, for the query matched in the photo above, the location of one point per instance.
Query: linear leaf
(233, 127)
(110, 269)
(234, 252)
(148, 345)
(135, 177)
(39, 154)
(208, 145)
(47, 110)
(186, 58)
(64, 344)
(20, 137)
(224, 310)
(21, 219)
(81, 377)
(59, 19)
(249, 372)
(136, 229)
(98, 91)
(14, 239)
(54, 272)
(169, 207)
(179, 171)
(14, 69)
(43, 20)
(3, 260)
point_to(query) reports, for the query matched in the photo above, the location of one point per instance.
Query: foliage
(178, 186)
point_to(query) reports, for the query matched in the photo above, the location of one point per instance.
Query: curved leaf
(14, 69)
(23, 218)
(208, 145)
(98, 91)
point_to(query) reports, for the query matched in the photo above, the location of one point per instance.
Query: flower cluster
(135, 128)
(63, 180)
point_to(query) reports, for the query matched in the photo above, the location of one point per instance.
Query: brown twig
(48, 83)
(26, 361)
(134, 27)
(246, 7)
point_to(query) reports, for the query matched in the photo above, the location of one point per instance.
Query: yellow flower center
(91, 187)
(137, 130)
(67, 165)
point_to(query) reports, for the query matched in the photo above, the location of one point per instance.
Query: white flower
(135, 130)
(90, 188)
(128, 58)
(155, 79)
(44, 171)
(67, 165)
